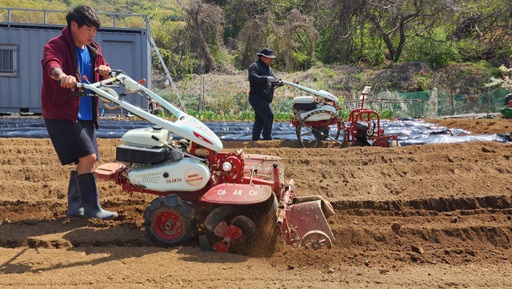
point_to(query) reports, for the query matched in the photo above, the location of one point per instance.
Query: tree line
(201, 36)
(375, 33)
(346, 32)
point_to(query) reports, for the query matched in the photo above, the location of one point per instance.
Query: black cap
(508, 98)
(269, 53)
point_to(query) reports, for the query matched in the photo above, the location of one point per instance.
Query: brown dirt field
(453, 203)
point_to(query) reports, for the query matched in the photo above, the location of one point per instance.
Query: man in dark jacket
(262, 84)
(71, 122)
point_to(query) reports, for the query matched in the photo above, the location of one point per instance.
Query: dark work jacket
(258, 72)
(60, 51)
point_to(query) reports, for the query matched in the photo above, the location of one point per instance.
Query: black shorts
(72, 141)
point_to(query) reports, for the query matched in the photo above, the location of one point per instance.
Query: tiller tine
(231, 233)
(304, 224)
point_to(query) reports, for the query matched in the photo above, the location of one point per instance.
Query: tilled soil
(424, 216)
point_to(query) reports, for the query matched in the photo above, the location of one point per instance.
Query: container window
(8, 63)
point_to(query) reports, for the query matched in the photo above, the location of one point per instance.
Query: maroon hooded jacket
(60, 51)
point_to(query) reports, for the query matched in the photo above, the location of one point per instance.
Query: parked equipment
(364, 125)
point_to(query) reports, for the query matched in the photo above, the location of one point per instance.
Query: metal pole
(152, 41)
(202, 95)
(488, 93)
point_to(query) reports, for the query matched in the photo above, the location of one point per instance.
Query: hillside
(346, 80)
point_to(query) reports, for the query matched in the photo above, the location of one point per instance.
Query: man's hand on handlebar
(272, 79)
(104, 70)
(67, 81)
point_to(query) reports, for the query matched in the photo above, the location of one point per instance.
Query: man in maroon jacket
(71, 122)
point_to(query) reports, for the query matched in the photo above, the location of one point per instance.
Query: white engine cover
(142, 137)
(303, 99)
(186, 175)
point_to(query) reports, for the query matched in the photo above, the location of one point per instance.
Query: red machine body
(251, 180)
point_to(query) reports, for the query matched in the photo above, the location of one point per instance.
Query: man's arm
(51, 62)
(254, 76)
(66, 81)
(56, 72)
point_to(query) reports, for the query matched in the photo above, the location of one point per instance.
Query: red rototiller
(226, 199)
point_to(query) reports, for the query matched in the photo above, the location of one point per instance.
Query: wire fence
(228, 95)
(429, 103)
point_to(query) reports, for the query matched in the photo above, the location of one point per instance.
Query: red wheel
(168, 224)
(170, 220)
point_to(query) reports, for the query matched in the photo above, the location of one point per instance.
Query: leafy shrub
(438, 51)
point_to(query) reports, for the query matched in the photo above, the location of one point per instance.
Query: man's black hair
(83, 15)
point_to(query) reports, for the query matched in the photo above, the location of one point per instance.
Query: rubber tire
(303, 127)
(177, 207)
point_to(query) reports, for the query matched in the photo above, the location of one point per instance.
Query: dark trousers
(72, 141)
(264, 117)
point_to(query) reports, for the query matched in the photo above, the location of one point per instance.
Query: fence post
(201, 95)
(452, 101)
(167, 73)
(488, 91)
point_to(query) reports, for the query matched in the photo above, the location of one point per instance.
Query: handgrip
(96, 70)
(79, 93)
(59, 81)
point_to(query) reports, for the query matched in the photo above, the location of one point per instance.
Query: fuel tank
(185, 175)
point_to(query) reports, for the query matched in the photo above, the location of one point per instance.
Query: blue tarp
(409, 131)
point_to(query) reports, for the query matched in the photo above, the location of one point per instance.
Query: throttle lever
(80, 93)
